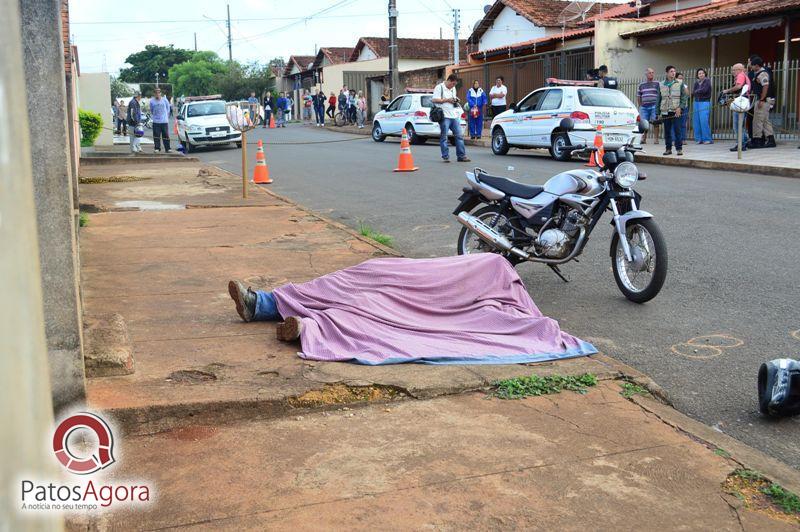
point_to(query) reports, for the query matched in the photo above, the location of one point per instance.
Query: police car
(412, 112)
(202, 122)
(534, 121)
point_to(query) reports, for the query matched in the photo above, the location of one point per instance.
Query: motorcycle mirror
(644, 126)
(567, 124)
(513, 107)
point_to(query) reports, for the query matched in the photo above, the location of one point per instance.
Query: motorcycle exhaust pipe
(489, 235)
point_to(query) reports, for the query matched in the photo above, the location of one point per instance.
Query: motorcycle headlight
(626, 174)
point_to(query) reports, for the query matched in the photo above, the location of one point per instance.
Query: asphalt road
(733, 262)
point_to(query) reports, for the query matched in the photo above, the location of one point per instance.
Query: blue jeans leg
(736, 118)
(266, 307)
(700, 121)
(455, 127)
(668, 133)
(443, 139)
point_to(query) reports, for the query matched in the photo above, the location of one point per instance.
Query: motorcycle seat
(510, 187)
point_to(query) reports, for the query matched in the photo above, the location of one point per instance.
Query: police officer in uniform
(764, 93)
(604, 80)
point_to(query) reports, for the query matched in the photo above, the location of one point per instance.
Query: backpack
(437, 114)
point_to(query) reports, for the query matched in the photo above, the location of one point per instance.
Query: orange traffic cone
(261, 170)
(596, 158)
(272, 121)
(406, 162)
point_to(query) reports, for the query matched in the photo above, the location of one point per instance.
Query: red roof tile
(408, 48)
(543, 13)
(302, 62)
(717, 12)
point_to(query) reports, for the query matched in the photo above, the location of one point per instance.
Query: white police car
(412, 112)
(535, 121)
(203, 122)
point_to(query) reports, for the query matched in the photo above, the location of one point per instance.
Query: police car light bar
(555, 82)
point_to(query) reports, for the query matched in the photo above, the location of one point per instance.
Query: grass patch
(83, 219)
(110, 179)
(535, 385)
(761, 494)
(722, 452)
(368, 232)
(629, 389)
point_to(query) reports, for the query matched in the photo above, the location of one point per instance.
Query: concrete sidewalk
(781, 161)
(238, 432)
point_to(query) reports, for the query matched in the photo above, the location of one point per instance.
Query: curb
(779, 171)
(102, 160)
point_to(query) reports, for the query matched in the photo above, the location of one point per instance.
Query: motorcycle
(551, 224)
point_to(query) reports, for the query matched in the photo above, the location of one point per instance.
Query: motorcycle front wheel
(469, 242)
(641, 278)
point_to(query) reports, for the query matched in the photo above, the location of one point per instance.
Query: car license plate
(614, 139)
(219, 134)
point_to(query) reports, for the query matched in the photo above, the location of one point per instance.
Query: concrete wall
(626, 60)
(53, 192)
(94, 94)
(25, 392)
(509, 28)
(366, 54)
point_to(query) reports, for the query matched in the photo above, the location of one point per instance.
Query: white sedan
(412, 112)
(535, 121)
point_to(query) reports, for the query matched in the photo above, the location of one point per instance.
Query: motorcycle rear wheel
(645, 239)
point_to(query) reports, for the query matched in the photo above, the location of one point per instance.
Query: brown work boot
(244, 298)
(289, 330)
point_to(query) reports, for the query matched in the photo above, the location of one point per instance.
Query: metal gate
(358, 80)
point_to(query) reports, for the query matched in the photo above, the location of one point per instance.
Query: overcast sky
(106, 32)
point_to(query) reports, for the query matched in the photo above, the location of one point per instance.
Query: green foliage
(119, 89)
(239, 80)
(629, 389)
(535, 385)
(91, 123)
(722, 452)
(83, 219)
(784, 499)
(152, 59)
(198, 76)
(368, 232)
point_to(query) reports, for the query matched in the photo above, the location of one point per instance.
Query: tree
(153, 59)
(119, 89)
(198, 76)
(238, 80)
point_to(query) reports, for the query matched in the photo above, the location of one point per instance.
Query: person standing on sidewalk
(134, 117)
(701, 92)
(160, 109)
(280, 113)
(122, 118)
(604, 80)
(361, 110)
(269, 105)
(331, 112)
(740, 80)
(647, 99)
(684, 110)
(764, 93)
(672, 98)
(497, 96)
(476, 100)
(319, 107)
(444, 95)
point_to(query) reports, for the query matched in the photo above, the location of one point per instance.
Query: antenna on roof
(575, 10)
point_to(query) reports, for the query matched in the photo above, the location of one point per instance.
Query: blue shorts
(648, 112)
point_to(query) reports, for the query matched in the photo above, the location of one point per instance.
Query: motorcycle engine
(555, 243)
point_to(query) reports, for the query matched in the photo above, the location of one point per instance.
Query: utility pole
(230, 44)
(195, 41)
(394, 77)
(456, 24)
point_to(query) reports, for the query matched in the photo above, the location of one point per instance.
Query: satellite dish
(574, 11)
(486, 8)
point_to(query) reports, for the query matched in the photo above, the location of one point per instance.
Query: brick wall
(424, 78)
(65, 37)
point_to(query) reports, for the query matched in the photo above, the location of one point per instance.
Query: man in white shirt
(444, 96)
(497, 96)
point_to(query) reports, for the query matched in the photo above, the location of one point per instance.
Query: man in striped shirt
(647, 99)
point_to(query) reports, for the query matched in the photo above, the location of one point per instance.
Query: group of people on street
(316, 107)
(666, 103)
(477, 100)
(277, 109)
(160, 110)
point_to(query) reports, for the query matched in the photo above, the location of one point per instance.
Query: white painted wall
(366, 54)
(509, 28)
(94, 94)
